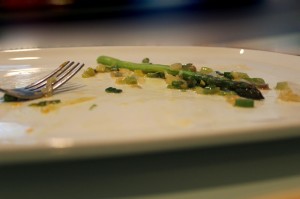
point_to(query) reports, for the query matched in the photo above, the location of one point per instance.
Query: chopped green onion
(243, 102)
(93, 106)
(146, 60)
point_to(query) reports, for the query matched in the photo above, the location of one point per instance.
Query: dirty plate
(90, 122)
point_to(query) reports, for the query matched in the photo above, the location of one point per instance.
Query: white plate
(152, 118)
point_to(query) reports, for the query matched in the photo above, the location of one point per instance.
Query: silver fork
(52, 81)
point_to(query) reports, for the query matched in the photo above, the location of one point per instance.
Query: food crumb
(29, 130)
(48, 108)
(93, 106)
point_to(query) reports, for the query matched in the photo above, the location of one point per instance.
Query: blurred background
(271, 25)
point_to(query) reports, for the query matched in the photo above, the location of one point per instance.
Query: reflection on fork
(47, 84)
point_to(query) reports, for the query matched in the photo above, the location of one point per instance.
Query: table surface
(233, 171)
(249, 170)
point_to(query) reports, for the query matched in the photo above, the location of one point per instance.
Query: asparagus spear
(145, 67)
(243, 89)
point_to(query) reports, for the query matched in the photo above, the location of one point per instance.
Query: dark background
(271, 25)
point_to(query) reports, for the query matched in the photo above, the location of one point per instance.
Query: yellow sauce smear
(77, 101)
(53, 107)
(49, 108)
(289, 95)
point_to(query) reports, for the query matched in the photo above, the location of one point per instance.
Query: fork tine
(58, 72)
(63, 75)
(67, 76)
(40, 83)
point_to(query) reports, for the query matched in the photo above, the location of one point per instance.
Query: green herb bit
(9, 98)
(191, 82)
(93, 106)
(242, 102)
(130, 80)
(45, 103)
(113, 90)
(146, 60)
(177, 84)
(228, 75)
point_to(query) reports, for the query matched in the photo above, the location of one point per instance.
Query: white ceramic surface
(150, 118)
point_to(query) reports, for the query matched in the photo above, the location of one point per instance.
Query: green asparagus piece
(243, 89)
(145, 67)
(247, 103)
